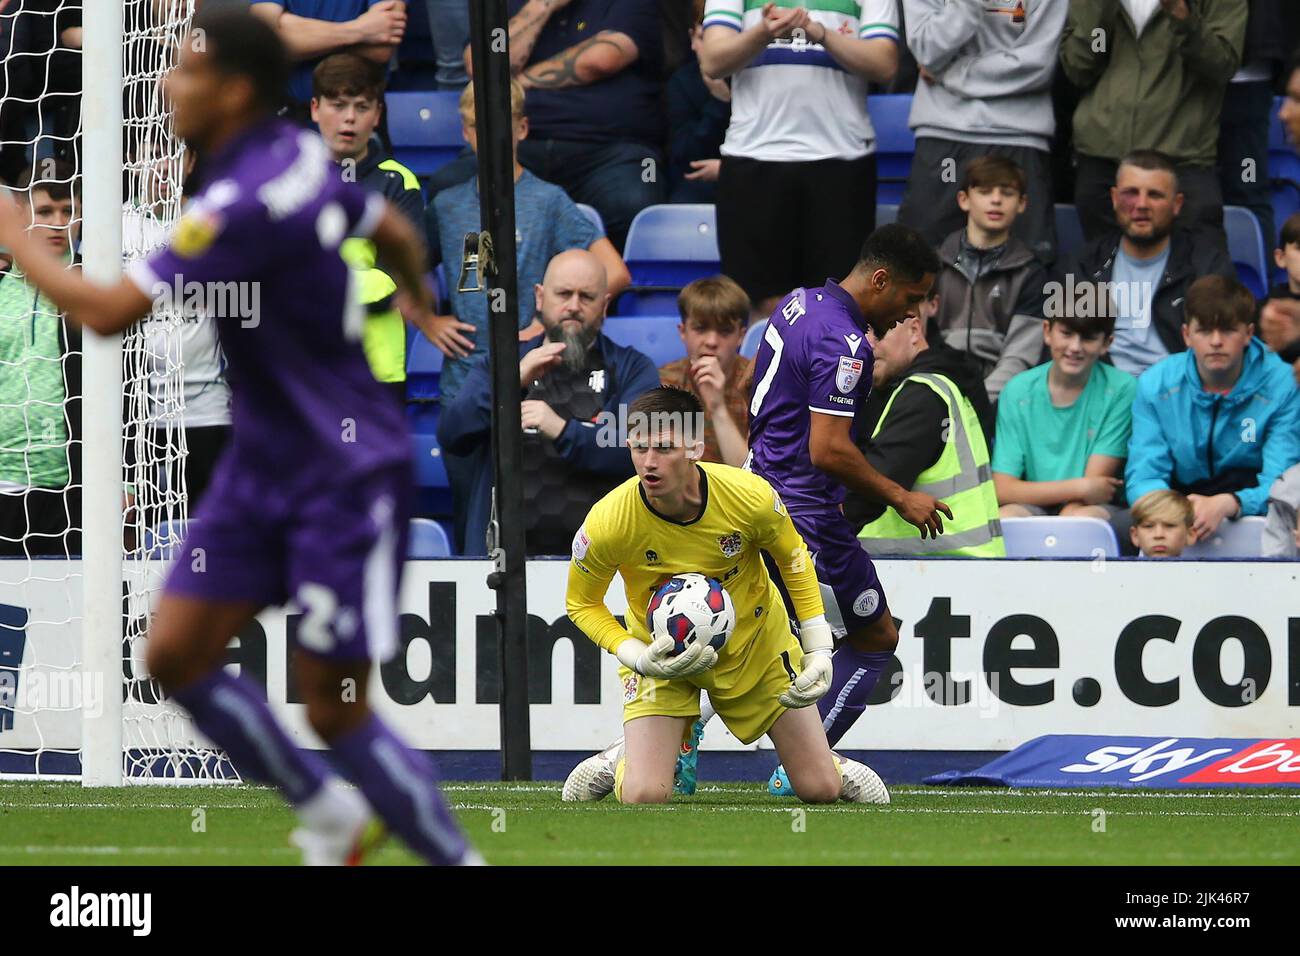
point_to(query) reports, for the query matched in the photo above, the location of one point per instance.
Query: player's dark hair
(666, 399)
(240, 44)
(347, 74)
(988, 172)
(1151, 160)
(901, 250)
(1290, 235)
(56, 178)
(1219, 302)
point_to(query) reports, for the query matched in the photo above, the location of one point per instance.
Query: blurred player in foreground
(811, 376)
(678, 515)
(312, 497)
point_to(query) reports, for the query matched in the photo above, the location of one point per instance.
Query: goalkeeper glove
(815, 679)
(654, 660)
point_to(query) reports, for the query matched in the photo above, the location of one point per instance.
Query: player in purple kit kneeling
(311, 499)
(811, 376)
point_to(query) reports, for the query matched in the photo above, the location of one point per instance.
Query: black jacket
(912, 439)
(1190, 257)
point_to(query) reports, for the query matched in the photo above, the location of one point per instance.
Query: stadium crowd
(1135, 375)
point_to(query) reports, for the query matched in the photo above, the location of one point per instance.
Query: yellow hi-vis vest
(960, 478)
(384, 335)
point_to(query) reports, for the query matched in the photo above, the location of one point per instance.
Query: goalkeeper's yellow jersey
(740, 516)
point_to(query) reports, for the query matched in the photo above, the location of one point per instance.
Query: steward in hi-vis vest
(928, 436)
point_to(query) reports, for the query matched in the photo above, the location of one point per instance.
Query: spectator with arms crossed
(1220, 422)
(1063, 427)
(592, 69)
(714, 313)
(313, 29)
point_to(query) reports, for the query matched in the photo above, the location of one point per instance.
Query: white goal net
(45, 691)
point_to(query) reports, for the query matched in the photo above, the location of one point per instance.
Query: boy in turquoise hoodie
(1219, 422)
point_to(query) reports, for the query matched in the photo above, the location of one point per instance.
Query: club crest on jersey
(731, 544)
(630, 687)
(850, 371)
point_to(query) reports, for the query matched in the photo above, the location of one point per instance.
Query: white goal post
(75, 699)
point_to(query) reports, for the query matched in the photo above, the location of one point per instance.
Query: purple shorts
(336, 550)
(843, 567)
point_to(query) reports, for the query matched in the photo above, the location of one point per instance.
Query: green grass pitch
(62, 824)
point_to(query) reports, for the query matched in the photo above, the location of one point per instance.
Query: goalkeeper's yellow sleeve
(589, 575)
(780, 538)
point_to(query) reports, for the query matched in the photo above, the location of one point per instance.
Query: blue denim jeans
(449, 26)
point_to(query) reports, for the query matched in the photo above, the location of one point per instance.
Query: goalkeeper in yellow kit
(679, 515)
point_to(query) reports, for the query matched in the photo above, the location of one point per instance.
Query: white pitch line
(147, 850)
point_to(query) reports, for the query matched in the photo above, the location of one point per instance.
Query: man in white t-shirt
(181, 348)
(797, 188)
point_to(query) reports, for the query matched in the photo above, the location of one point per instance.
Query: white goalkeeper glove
(815, 679)
(654, 660)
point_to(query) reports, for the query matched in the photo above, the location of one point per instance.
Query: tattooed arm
(590, 61)
(524, 29)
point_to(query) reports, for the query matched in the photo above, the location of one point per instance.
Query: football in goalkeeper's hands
(689, 608)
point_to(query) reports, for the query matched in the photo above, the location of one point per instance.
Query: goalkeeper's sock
(402, 786)
(707, 710)
(231, 713)
(854, 676)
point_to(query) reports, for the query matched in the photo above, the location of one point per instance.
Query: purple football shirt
(260, 246)
(814, 358)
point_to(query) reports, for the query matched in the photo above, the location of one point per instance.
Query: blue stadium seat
(1234, 539)
(667, 247)
(432, 485)
(1069, 231)
(656, 336)
(749, 346)
(1246, 247)
(423, 368)
(895, 144)
(590, 213)
(886, 212)
(425, 129)
(1045, 537)
(428, 539)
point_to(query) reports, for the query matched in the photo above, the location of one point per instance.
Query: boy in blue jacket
(1219, 422)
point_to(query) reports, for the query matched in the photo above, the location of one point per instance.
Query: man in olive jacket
(1152, 75)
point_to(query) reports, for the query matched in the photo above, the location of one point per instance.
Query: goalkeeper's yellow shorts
(744, 685)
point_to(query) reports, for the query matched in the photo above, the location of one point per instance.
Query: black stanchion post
(492, 252)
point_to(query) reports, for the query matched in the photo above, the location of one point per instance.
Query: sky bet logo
(75, 909)
(1177, 760)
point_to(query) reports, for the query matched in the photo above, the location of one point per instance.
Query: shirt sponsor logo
(850, 371)
(731, 544)
(866, 602)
